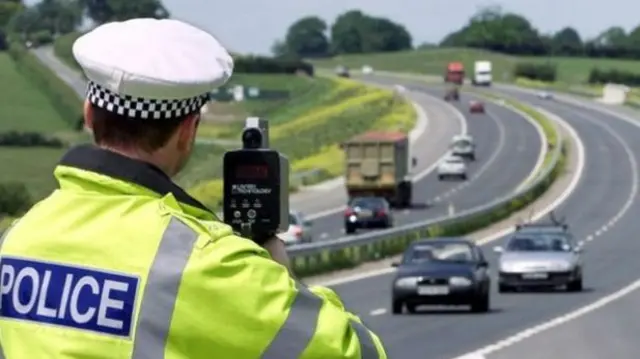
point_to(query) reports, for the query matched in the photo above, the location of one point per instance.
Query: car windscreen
(539, 242)
(454, 160)
(461, 143)
(369, 203)
(439, 252)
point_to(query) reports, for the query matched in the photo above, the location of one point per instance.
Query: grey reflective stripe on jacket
(161, 292)
(297, 331)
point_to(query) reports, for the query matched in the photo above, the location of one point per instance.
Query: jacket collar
(111, 164)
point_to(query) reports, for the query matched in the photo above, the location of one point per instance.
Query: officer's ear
(187, 130)
(88, 115)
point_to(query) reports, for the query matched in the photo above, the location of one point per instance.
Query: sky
(252, 26)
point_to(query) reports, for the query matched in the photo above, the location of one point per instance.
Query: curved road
(508, 148)
(603, 210)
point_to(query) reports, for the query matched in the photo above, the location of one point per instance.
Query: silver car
(299, 230)
(463, 146)
(540, 256)
(452, 167)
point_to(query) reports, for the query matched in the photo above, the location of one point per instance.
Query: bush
(270, 65)
(541, 72)
(41, 38)
(598, 76)
(28, 139)
(62, 48)
(14, 198)
(63, 98)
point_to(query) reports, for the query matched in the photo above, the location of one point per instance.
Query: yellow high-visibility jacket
(119, 262)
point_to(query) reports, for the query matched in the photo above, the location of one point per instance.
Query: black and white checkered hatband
(141, 108)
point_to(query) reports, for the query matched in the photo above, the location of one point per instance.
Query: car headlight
(508, 267)
(460, 281)
(407, 282)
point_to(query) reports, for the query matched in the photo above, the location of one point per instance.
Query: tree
(59, 16)
(8, 9)
(356, 32)
(567, 42)
(494, 30)
(307, 37)
(279, 48)
(102, 11)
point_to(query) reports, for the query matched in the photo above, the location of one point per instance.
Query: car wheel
(472, 157)
(440, 177)
(575, 286)
(505, 289)
(396, 307)
(481, 303)
(349, 229)
(412, 308)
(463, 177)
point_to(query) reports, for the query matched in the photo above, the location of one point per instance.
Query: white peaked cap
(151, 69)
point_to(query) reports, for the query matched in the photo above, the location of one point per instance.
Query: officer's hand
(278, 251)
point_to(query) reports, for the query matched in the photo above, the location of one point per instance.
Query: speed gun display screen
(252, 172)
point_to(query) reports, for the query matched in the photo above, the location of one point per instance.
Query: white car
(299, 230)
(463, 146)
(545, 95)
(452, 167)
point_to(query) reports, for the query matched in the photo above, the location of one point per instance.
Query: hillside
(434, 61)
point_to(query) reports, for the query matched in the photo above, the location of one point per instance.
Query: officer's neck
(158, 158)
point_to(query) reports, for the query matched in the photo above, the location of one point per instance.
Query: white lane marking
(421, 113)
(379, 311)
(580, 166)
(504, 343)
(485, 166)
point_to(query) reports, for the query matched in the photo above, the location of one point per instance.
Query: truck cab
(454, 73)
(482, 73)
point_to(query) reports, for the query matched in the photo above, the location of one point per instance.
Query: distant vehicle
(378, 164)
(476, 106)
(299, 230)
(452, 167)
(541, 255)
(454, 73)
(452, 94)
(482, 75)
(367, 212)
(441, 271)
(545, 95)
(367, 70)
(463, 146)
(342, 71)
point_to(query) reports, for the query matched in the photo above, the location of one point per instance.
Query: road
(508, 148)
(603, 210)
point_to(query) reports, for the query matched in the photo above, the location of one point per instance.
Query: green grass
(31, 166)
(434, 61)
(226, 119)
(22, 106)
(62, 48)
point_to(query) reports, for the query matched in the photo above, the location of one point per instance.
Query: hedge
(543, 72)
(28, 139)
(331, 260)
(598, 76)
(63, 98)
(14, 199)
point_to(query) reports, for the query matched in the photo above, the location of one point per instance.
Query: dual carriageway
(600, 322)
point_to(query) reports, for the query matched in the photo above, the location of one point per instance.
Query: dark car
(367, 212)
(342, 71)
(441, 271)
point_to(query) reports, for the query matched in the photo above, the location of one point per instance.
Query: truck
(454, 73)
(482, 73)
(378, 164)
(452, 93)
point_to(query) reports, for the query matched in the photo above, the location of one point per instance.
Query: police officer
(120, 262)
